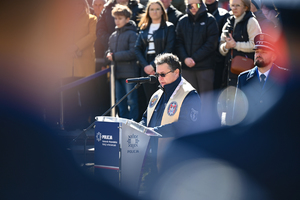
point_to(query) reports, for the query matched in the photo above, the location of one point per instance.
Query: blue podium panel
(107, 148)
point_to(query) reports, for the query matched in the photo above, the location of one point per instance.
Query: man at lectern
(174, 109)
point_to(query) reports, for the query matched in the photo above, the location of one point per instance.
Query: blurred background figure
(98, 6)
(82, 38)
(79, 101)
(266, 25)
(156, 36)
(143, 2)
(242, 28)
(179, 5)
(102, 83)
(271, 12)
(172, 12)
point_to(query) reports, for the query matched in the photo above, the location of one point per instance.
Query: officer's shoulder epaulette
(282, 68)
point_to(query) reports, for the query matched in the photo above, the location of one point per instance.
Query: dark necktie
(262, 80)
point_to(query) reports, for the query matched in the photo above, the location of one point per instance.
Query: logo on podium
(133, 140)
(98, 136)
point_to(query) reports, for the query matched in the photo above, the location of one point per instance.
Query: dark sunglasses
(162, 75)
(190, 5)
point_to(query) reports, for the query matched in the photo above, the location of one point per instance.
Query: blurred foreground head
(35, 163)
(291, 28)
(33, 37)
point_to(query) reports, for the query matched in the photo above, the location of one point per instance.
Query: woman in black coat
(156, 36)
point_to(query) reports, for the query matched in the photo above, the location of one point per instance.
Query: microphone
(149, 79)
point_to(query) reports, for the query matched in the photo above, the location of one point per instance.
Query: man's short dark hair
(170, 59)
(121, 10)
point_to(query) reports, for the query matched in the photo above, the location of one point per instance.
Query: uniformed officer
(263, 84)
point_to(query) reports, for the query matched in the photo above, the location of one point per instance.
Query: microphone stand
(90, 126)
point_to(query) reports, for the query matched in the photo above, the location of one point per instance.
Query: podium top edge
(131, 123)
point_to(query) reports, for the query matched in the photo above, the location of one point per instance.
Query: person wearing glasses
(174, 109)
(156, 36)
(237, 37)
(197, 36)
(98, 6)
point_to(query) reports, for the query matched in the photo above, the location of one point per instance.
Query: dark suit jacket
(258, 100)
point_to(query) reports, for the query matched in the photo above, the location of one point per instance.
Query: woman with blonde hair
(156, 36)
(237, 36)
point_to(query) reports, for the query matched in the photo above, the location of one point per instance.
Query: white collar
(266, 73)
(238, 19)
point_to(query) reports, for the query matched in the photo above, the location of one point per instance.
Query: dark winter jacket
(197, 37)
(221, 15)
(106, 24)
(164, 42)
(179, 5)
(174, 15)
(121, 44)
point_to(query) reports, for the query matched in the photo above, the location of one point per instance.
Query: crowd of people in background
(204, 35)
(259, 160)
